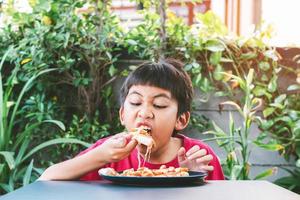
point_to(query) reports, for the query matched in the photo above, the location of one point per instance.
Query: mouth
(143, 136)
(144, 129)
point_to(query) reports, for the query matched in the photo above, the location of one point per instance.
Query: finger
(205, 159)
(128, 137)
(181, 154)
(130, 145)
(198, 154)
(192, 150)
(207, 168)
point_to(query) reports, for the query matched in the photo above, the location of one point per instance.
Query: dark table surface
(211, 190)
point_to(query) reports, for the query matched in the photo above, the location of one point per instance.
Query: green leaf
(214, 46)
(3, 133)
(280, 98)
(188, 67)
(298, 163)
(259, 91)
(132, 42)
(112, 70)
(277, 105)
(52, 142)
(249, 77)
(7, 188)
(221, 94)
(217, 75)
(1, 167)
(265, 66)
(268, 111)
(248, 55)
(27, 176)
(56, 122)
(295, 115)
(235, 172)
(205, 86)
(43, 5)
(270, 147)
(231, 125)
(298, 151)
(226, 60)
(267, 173)
(293, 87)
(219, 132)
(195, 65)
(198, 79)
(9, 158)
(265, 124)
(288, 182)
(22, 150)
(215, 58)
(272, 86)
(265, 78)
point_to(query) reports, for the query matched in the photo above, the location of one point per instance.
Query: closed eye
(159, 106)
(135, 104)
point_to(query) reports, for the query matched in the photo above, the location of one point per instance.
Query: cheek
(128, 113)
(168, 115)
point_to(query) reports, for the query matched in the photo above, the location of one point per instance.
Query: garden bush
(84, 42)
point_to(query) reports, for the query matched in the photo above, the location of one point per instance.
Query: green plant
(16, 148)
(237, 142)
(291, 182)
(83, 129)
(79, 38)
(143, 41)
(282, 122)
(82, 38)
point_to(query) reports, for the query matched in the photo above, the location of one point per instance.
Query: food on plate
(163, 171)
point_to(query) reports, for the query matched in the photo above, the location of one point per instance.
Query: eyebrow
(156, 96)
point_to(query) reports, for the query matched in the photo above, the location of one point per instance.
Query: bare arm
(112, 150)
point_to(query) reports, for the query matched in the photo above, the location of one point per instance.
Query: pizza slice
(142, 136)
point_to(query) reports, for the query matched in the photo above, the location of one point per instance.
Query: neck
(167, 153)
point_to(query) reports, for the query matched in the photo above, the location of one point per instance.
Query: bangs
(155, 75)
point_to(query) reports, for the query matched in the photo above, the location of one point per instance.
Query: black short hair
(167, 74)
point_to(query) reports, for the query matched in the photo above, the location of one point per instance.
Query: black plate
(193, 178)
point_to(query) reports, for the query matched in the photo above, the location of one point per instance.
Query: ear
(182, 121)
(121, 115)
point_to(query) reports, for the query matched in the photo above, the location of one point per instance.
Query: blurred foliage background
(60, 67)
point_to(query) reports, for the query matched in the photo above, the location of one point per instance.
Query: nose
(145, 113)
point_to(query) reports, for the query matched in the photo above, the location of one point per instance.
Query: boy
(157, 96)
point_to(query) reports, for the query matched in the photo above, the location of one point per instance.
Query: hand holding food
(117, 147)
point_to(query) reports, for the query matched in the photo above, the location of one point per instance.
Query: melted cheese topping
(143, 131)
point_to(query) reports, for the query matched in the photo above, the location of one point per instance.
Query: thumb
(181, 155)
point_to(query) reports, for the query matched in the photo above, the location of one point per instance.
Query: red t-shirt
(132, 162)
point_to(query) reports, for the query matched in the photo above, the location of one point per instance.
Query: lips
(145, 125)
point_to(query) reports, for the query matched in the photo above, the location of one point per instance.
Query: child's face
(153, 107)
